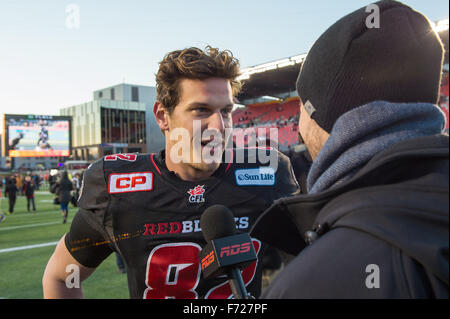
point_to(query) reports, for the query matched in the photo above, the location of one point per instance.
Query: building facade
(114, 122)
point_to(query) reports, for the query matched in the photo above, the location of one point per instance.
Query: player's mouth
(211, 145)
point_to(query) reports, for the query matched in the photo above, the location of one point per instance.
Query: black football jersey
(134, 205)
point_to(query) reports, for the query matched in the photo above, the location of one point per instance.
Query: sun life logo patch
(262, 176)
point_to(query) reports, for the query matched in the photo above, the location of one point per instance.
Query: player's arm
(86, 244)
(77, 255)
(56, 282)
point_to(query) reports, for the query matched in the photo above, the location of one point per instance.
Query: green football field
(28, 240)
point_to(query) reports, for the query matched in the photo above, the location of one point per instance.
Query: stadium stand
(279, 114)
(277, 80)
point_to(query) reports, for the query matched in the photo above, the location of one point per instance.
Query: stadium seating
(281, 115)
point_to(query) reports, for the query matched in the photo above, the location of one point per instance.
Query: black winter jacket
(11, 190)
(382, 234)
(64, 189)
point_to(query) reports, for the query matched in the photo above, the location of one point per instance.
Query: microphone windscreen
(217, 221)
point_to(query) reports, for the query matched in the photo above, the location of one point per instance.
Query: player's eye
(200, 110)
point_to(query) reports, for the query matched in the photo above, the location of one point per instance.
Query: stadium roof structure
(278, 77)
(271, 78)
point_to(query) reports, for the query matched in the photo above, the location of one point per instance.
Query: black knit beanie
(351, 64)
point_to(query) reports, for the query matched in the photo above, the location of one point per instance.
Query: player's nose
(216, 122)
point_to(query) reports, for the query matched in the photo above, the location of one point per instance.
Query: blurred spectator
(28, 191)
(11, 192)
(64, 190)
(76, 180)
(2, 216)
(37, 181)
(52, 179)
(18, 182)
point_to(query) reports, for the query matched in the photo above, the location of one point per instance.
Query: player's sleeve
(286, 183)
(89, 239)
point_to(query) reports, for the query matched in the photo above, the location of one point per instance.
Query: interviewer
(374, 223)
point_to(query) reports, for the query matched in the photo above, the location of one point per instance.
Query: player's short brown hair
(193, 63)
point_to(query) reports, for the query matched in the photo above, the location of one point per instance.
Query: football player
(147, 207)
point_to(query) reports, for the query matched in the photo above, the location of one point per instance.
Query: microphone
(226, 252)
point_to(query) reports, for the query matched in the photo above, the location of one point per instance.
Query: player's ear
(161, 116)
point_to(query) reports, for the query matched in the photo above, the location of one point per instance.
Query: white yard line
(27, 226)
(30, 215)
(6, 250)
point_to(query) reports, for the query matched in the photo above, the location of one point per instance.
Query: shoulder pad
(93, 193)
(123, 162)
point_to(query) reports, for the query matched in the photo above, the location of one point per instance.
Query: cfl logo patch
(130, 182)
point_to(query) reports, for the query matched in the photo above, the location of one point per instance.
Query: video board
(36, 135)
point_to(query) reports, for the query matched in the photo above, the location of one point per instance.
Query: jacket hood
(402, 198)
